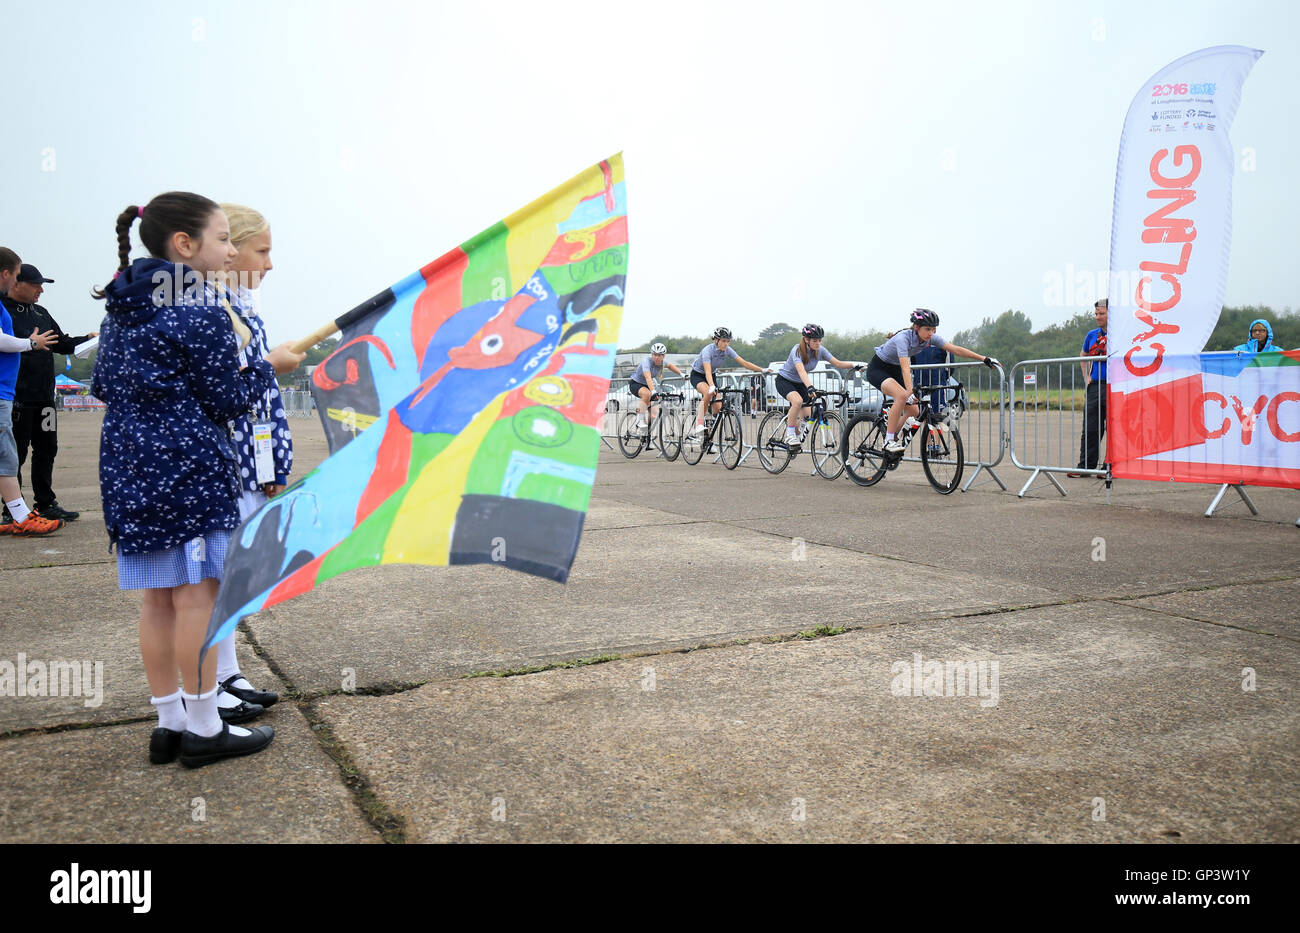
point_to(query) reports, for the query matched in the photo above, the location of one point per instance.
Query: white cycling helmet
(657, 348)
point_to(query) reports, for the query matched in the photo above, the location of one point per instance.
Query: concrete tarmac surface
(737, 657)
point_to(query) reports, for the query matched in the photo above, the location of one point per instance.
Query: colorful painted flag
(482, 381)
(576, 234)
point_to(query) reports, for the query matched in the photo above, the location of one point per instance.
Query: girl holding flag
(168, 372)
(260, 476)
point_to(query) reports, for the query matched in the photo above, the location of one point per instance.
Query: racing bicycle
(821, 429)
(669, 427)
(722, 430)
(863, 447)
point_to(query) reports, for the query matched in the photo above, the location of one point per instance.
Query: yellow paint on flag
(428, 511)
(533, 228)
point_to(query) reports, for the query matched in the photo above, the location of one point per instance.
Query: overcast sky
(835, 162)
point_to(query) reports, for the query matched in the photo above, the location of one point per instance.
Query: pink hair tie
(140, 212)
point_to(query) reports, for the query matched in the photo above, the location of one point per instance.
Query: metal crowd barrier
(982, 417)
(297, 403)
(1048, 415)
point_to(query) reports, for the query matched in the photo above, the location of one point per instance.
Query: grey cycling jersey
(906, 343)
(788, 370)
(713, 356)
(648, 366)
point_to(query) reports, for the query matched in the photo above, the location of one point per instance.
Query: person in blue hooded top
(169, 374)
(1259, 338)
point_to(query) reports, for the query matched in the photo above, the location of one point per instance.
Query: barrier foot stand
(605, 440)
(1241, 491)
(1034, 475)
(986, 469)
(745, 456)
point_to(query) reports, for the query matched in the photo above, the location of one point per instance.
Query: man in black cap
(34, 412)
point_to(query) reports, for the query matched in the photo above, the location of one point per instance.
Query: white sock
(202, 716)
(19, 510)
(227, 700)
(227, 664)
(171, 714)
(889, 436)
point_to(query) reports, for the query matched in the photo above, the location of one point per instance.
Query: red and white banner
(1170, 238)
(71, 402)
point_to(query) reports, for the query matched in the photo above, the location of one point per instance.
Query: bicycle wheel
(942, 458)
(630, 438)
(692, 444)
(824, 442)
(862, 450)
(670, 434)
(730, 439)
(772, 452)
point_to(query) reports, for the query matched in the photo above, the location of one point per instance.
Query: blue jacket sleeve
(221, 388)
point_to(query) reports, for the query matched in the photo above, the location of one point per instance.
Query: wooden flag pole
(315, 337)
(369, 306)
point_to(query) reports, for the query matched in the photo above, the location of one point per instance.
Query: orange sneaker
(34, 525)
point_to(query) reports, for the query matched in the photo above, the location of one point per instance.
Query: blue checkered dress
(195, 560)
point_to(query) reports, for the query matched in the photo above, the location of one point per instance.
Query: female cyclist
(793, 382)
(890, 369)
(704, 377)
(642, 383)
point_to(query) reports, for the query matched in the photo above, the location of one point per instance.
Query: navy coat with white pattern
(168, 372)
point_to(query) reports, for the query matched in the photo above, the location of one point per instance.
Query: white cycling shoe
(894, 447)
(699, 429)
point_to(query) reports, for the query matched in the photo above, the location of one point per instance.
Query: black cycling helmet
(813, 331)
(925, 318)
(721, 333)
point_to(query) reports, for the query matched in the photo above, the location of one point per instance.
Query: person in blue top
(24, 521)
(890, 369)
(642, 383)
(704, 372)
(1259, 339)
(169, 375)
(793, 382)
(1094, 381)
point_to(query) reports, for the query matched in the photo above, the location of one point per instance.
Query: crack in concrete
(390, 826)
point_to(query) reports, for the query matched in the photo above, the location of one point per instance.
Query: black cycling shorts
(878, 371)
(634, 387)
(699, 380)
(784, 387)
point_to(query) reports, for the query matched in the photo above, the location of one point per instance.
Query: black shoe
(197, 751)
(260, 697)
(57, 511)
(241, 713)
(164, 745)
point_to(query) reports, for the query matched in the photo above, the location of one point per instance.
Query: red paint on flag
(577, 245)
(392, 463)
(440, 299)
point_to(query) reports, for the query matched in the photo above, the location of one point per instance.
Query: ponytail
(124, 222)
(804, 353)
(169, 213)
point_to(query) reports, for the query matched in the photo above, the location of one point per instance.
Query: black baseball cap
(29, 273)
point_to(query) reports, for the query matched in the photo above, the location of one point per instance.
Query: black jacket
(36, 372)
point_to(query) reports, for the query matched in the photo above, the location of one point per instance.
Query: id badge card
(262, 458)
